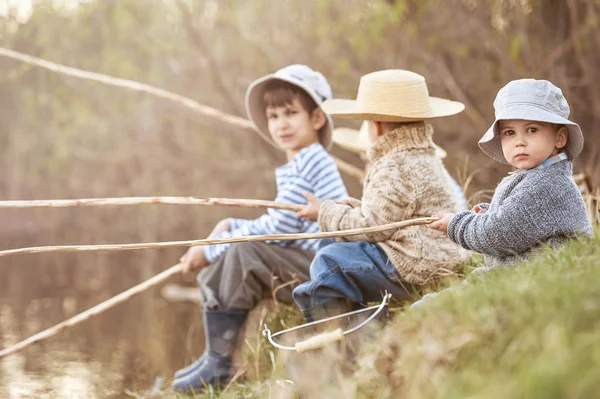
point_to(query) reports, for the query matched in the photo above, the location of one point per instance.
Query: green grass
(528, 332)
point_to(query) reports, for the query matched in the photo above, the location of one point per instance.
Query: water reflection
(124, 349)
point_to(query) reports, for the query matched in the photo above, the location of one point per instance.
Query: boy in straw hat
(357, 141)
(284, 106)
(539, 204)
(405, 180)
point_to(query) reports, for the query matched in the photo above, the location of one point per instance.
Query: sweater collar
(560, 157)
(410, 136)
(552, 160)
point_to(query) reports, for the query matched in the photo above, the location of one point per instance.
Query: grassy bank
(530, 332)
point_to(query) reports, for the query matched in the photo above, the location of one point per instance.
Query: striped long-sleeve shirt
(311, 170)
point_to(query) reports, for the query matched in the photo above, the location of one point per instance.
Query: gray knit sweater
(530, 209)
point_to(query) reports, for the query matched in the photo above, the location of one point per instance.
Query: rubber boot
(222, 329)
(188, 369)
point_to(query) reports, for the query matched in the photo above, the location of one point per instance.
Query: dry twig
(345, 167)
(125, 295)
(94, 311)
(216, 241)
(243, 203)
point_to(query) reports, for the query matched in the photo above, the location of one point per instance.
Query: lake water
(124, 349)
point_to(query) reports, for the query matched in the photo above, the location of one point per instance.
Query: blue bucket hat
(531, 100)
(312, 82)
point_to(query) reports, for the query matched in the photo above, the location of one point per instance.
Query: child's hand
(310, 211)
(194, 259)
(478, 210)
(442, 224)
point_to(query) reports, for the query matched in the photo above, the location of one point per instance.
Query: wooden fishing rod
(165, 275)
(195, 106)
(94, 311)
(62, 203)
(215, 241)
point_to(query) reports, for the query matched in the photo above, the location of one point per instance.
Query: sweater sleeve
(327, 182)
(526, 217)
(275, 221)
(387, 197)
(313, 171)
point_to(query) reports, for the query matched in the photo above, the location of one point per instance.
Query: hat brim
(440, 107)
(439, 151)
(349, 140)
(490, 142)
(256, 111)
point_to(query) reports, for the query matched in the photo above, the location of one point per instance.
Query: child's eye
(532, 129)
(271, 116)
(508, 132)
(291, 112)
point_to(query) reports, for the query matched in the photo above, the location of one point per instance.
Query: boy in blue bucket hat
(539, 204)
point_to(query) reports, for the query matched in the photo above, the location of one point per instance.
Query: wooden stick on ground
(345, 167)
(125, 295)
(94, 311)
(215, 241)
(244, 203)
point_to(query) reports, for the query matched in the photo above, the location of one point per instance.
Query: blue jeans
(355, 272)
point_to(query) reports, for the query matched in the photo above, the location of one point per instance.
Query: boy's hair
(279, 94)
(558, 126)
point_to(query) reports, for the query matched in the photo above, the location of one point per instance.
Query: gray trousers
(251, 271)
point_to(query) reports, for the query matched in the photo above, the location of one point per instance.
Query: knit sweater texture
(405, 180)
(530, 209)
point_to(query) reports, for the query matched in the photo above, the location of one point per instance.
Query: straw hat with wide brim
(352, 140)
(357, 141)
(393, 95)
(302, 76)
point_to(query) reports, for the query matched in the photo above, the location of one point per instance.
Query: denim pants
(355, 272)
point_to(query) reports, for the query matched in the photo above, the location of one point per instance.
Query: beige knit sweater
(405, 180)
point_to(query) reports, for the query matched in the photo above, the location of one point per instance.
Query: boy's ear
(379, 128)
(318, 119)
(562, 135)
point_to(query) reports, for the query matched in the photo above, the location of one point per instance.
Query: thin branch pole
(187, 102)
(243, 203)
(129, 84)
(94, 311)
(159, 278)
(215, 241)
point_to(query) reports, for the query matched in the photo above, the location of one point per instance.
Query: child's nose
(279, 122)
(284, 121)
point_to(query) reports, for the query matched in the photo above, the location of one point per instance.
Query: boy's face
(526, 144)
(292, 127)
